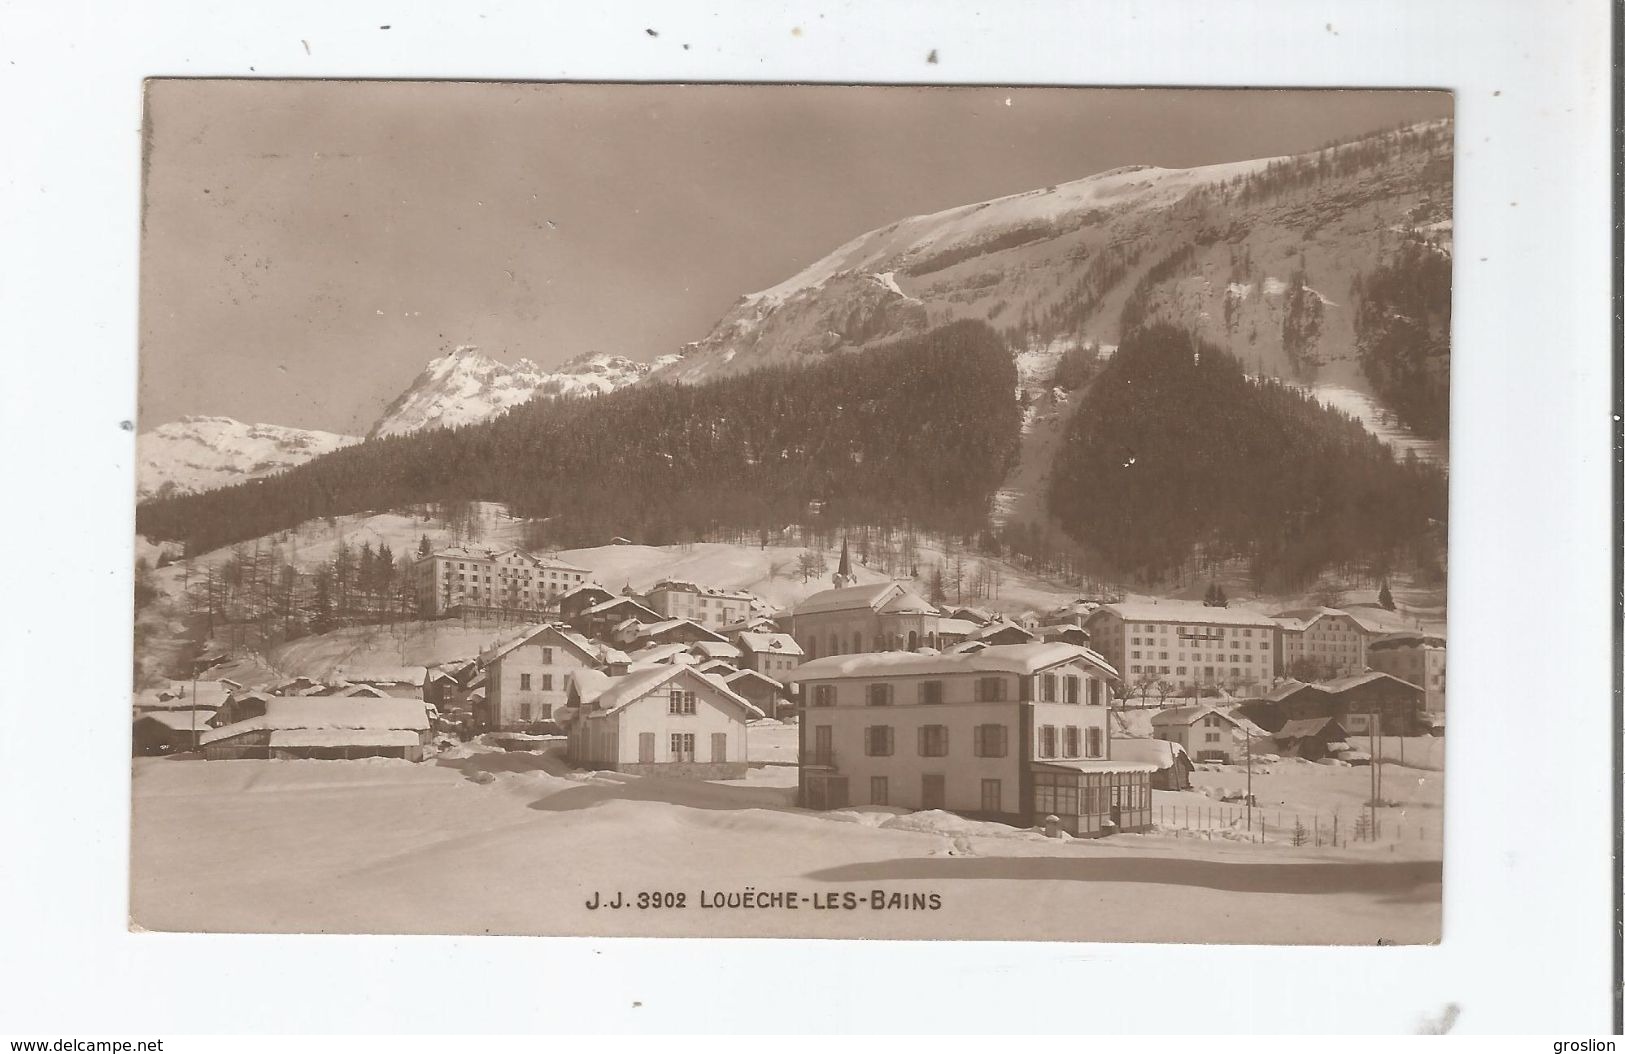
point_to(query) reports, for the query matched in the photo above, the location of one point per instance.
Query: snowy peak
(202, 453)
(467, 386)
(1066, 263)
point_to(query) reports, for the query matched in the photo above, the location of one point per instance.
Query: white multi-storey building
(711, 608)
(1013, 733)
(494, 581)
(1185, 643)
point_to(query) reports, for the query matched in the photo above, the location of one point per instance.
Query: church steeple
(843, 575)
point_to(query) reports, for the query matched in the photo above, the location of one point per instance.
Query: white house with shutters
(664, 720)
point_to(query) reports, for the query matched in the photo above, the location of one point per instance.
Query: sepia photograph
(792, 511)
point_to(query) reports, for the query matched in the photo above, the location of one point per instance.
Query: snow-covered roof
(180, 720)
(1097, 765)
(849, 598)
(1184, 611)
(779, 643)
(1184, 716)
(382, 674)
(610, 605)
(1409, 638)
(657, 653)
(1305, 726)
(654, 629)
(623, 691)
(344, 737)
(1343, 684)
(997, 658)
(718, 649)
(741, 675)
(962, 627)
(1134, 750)
(328, 712)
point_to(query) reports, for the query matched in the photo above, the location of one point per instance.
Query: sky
(308, 246)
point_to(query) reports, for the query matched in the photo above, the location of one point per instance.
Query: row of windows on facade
(1206, 671)
(1051, 688)
(881, 642)
(1196, 632)
(989, 741)
(934, 792)
(1216, 658)
(1245, 645)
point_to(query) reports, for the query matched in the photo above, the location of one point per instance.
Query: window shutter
(979, 741)
(922, 740)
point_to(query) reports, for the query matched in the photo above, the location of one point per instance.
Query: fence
(1231, 821)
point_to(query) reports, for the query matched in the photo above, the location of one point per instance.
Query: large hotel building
(1186, 644)
(460, 579)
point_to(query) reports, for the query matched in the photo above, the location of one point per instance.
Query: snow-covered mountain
(468, 386)
(201, 453)
(1260, 256)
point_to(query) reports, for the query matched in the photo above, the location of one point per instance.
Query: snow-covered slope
(466, 387)
(1260, 256)
(201, 453)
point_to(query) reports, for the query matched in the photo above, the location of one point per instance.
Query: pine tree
(424, 548)
(938, 589)
(1300, 833)
(1385, 598)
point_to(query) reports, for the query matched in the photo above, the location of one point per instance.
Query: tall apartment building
(1012, 733)
(1321, 643)
(491, 581)
(1185, 643)
(711, 608)
(1415, 657)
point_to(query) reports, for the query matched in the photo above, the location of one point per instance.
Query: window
(1095, 737)
(1210, 737)
(1072, 690)
(933, 792)
(524, 682)
(1055, 794)
(877, 741)
(823, 751)
(990, 689)
(1046, 741)
(823, 695)
(547, 682)
(1047, 686)
(930, 692)
(682, 746)
(1074, 743)
(681, 704)
(991, 741)
(547, 656)
(933, 741)
(547, 711)
(524, 711)
(879, 790)
(878, 694)
(992, 796)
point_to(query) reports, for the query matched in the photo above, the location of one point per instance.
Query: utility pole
(1249, 732)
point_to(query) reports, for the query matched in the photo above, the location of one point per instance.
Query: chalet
(1012, 733)
(1207, 733)
(239, 706)
(1173, 765)
(718, 649)
(775, 654)
(401, 682)
(766, 694)
(1003, 631)
(1310, 738)
(600, 619)
(325, 728)
(1064, 633)
(887, 616)
(1352, 700)
(526, 679)
(657, 654)
(951, 631)
(168, 731)
(575, 601)
(668, 631)
(668, 720)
